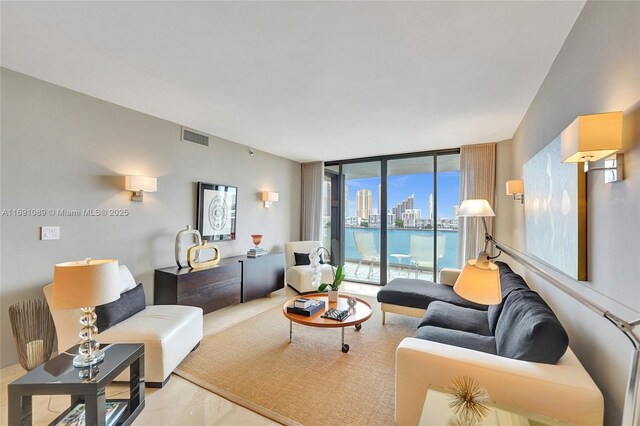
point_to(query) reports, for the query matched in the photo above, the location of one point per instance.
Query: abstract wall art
(555, 211)
(216, 209)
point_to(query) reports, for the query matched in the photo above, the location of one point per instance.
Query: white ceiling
(304, 80)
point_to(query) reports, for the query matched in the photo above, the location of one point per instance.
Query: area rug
(309, 381)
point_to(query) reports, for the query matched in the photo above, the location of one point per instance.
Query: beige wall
(62, 149)
(597, 70)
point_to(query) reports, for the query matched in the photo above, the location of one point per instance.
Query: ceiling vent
(190, 135)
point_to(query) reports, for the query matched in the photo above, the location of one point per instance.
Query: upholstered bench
(412, 296)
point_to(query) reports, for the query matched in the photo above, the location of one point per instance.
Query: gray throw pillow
(130, 303)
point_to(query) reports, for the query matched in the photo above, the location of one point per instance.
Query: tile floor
(180, 402)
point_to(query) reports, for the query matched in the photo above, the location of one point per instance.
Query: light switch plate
(50, 233)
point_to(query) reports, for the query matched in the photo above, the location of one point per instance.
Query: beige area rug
(309, 381)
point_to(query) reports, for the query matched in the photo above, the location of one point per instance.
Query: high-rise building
(409, 217)
(346, 201)
(431, 218)
(364, 200)
(455, 211)
(326, 206)
(402, 206)
(391, 219)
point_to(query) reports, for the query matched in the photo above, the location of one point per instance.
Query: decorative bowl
(257, 239)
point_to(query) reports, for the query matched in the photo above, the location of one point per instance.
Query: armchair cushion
(446, 315)
(130, 303)
(462, 339)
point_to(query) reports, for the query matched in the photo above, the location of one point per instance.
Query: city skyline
(401, 187)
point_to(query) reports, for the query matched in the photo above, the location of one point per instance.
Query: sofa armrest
(449, 276)
(562, 391)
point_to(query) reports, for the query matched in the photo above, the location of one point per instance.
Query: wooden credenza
(233, 280)
(261, 275)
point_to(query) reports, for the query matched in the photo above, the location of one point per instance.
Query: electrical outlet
(50, 233)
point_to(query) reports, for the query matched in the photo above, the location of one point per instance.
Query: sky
(401, 186)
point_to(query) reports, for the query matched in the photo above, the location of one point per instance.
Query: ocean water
(398, 242)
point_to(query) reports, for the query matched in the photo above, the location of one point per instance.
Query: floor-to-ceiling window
(393, 216)
(361, 212)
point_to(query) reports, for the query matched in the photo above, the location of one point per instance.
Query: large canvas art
(555, 211)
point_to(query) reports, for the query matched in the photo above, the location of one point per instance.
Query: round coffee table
(361, 314)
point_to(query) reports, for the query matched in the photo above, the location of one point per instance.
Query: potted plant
(334, 286)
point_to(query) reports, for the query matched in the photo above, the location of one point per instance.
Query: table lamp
(86, 284)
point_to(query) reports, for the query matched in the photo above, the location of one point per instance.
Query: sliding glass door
(361, 212)
(411, 214)
(394, 216)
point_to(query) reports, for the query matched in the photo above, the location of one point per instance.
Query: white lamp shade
(270, 196)
(86, 283)
(591, 137)
(515, 187)
(479, 285)
(475, 208)
(141, 183)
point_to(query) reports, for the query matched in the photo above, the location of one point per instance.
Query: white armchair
(299, 277)
(169, 332)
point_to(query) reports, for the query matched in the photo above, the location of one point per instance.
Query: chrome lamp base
(81, 360)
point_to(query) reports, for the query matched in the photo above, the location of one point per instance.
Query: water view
(398, 242)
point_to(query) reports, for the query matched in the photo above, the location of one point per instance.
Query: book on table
(302, 302)
(76, 417)
(315, 306)
(256, 252)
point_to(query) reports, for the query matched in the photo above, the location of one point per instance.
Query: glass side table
(436, 411)
(85, 386)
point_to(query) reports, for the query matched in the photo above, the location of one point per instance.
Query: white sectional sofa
(562, 391)
(169, 332)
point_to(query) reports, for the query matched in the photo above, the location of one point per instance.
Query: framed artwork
(216, 210)
(556, 211)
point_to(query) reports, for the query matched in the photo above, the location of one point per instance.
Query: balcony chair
(421, 251)
(367, 248)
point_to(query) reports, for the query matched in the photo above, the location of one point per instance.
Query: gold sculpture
(468, 400)
(195, 259)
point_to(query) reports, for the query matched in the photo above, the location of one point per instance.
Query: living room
(93, 92)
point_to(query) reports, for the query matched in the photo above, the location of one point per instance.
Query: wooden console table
(233, 280)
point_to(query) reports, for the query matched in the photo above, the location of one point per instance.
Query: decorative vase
(257, 239)
(181, 254)
(333, 295)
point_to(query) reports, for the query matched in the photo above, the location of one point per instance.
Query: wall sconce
(268, 198)
(592, 138)
(516, 188)
(139, 185)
